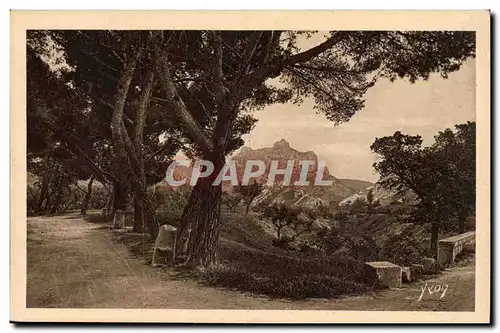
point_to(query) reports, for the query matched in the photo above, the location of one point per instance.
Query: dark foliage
(280, 275)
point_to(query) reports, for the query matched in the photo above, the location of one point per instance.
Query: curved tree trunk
(183, 231)
(86, 200)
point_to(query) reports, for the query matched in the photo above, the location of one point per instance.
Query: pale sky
(423, 108)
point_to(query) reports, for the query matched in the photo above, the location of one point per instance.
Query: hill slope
(355, 184)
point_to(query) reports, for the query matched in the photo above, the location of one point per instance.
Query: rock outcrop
(283, 152)
(378, 195)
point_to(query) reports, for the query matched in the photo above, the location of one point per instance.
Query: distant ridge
(355, 184)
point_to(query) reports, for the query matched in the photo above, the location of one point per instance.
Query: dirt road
(75, 264)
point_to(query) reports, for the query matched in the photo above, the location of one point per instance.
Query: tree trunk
(139, 214)
(44, 189)
(204, 224)
(247, 208)
(86, 200)
(57, 202)
(110, 204)
(141, 202)
(183, 231)
(434, 239)
(140, 199)
(120, 197)
(200, 225)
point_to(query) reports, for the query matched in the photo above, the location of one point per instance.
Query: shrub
(283, 265)
(405, 248)
(294, 287)
(168, 217)
(99, 197)
(318, 285)
(341, 216)
(358, 245)
(231, 201)
(227, 276)
(283, 243)
(170, 205)
(279, 273)
(32, 196)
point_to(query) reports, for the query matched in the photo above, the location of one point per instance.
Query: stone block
(164, 244)
(416, 271)
(383, 274)
(430, 265)
(129, 219)
(469, 247)
(405, 274)
(119, 220)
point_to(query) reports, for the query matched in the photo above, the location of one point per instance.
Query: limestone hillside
(380, 196)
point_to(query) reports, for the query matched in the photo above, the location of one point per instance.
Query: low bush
(284, 264)
(294, 287)
(228, 276)
(283, 243)
(292, 275)
(170, 205)
(405, 249)
(357, 244)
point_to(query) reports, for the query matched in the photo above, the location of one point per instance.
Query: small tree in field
(249, 193)
(289, 218)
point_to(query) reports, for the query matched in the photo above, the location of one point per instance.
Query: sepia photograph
(330, 170)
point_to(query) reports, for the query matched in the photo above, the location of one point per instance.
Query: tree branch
(317, 50)
(252, 47)
(218, 74)
(120, 99)
(173, 100)
(140, 117)
(273, 44)
(78, 187)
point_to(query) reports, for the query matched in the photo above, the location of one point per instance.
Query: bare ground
(76, 264)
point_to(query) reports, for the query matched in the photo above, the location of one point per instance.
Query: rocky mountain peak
(281, 144)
